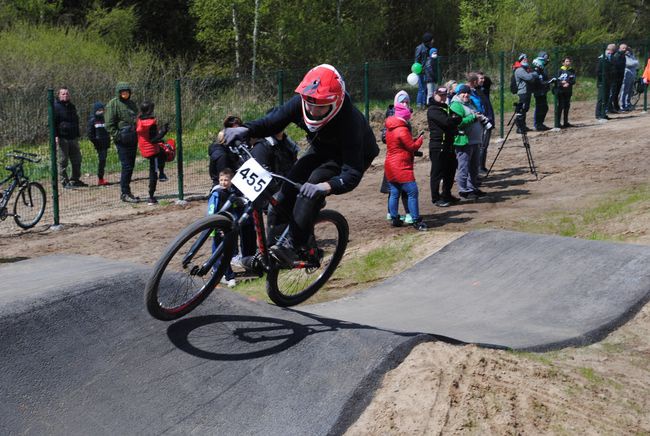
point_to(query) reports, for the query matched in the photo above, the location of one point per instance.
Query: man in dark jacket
(442, 127)
(421, 55)
(98, 135)
(121, 114)
(342, 147)
(220, 156)
(525, 81)
(604, 82)
(66, 132)
(618, 74)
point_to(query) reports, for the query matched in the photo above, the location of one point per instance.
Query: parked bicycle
(194, 263)
(30, 201)
(637, 91)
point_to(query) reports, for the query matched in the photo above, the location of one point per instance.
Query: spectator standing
(220, 157)
(398, 166)
(484, 84)
(525, 81)
(566, 78)
(99, 137)
(618, 75)
(218, 197)
(443, 125)
(121, 113)
(149, 141)
(540, 90)
(421, 55)
(646, 73)
(451, 90)
(66, 136)
(604, 82)
(629, 79)
(466, 143)
(431, 72)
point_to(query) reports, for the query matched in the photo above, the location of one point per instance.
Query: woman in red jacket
(398, 166)
(149, 140)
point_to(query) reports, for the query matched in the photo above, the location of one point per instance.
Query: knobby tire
(30, 205)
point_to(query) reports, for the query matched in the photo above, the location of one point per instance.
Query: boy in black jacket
(442, 127)
(98, 135)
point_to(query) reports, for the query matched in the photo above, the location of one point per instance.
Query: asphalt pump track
(80, 355)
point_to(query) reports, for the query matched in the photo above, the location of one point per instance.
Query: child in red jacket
(149, 140)
(398, 166)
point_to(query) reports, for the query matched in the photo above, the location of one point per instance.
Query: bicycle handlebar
(23, 155)
(240, 148)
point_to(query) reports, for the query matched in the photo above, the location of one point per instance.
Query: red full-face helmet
(322, 91)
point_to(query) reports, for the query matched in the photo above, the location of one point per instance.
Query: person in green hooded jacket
(120, 118)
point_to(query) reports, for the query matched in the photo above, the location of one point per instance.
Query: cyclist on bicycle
(342, 147)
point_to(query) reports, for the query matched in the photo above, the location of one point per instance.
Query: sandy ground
(445, 389)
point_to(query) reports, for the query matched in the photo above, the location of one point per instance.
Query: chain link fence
(196, 107)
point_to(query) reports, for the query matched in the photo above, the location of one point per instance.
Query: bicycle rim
(177, 284)
(288, 287)
(30, 205)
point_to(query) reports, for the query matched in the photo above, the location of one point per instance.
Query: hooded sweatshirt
(120, 113)
(96, 128)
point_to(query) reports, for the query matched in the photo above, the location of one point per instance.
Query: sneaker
(236, 261)
(542, 128)
(78, 183)
(567, 125)
(450, 198)
(152, 201)
(163, 177)
(479, 193)
(396, 222)
(102, 182)
(408, 219)
(230, 283)
(420, 226)
(284, 254)
(69, 185)
(129, 198)
(466, 196)
(442, 203)
(388, 217)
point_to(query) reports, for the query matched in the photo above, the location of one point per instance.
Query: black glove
(232, 134)
(311, 190)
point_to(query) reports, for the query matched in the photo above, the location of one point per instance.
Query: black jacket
(276, 156)
(66, 120)
(220, 159)
(97, 133)
(347, 139)
(443, 126)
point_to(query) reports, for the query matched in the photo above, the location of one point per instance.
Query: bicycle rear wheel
(288, 287)
(30, 205)
(190, 268)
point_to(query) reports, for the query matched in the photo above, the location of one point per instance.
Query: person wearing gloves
(398, 166)
(342, 147)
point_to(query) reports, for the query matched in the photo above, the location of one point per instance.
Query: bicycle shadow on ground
(247, 337)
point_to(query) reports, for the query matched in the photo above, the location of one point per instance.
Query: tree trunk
(236, 30)
(255, 24)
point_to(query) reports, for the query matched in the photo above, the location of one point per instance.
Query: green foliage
(115, 26)
(32, 11)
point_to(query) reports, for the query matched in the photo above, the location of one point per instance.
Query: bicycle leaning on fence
(30, 201)
(637, 91)
(197, 259)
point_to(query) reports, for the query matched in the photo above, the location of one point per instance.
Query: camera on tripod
(485, 121)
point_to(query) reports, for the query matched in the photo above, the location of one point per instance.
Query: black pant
(154, 164)
(563, 105)
(303, 211)
(541, 109)
(127, 160)
(443, 169)
(524, 101)
(615, 91)
(604, 89)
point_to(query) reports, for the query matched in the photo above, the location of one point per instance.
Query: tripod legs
(519, 122)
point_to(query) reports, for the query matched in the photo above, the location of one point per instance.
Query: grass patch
(590, 375)
(587, 223)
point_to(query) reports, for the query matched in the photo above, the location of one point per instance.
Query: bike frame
(17, 178)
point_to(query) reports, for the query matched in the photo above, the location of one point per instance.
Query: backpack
(513, 83)
(169, 147)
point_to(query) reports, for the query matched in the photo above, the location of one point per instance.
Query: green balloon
(416, 68)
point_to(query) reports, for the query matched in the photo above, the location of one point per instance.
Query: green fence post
(556, 66)
(179, 138)
(366, 89)
(53, 168)
(280, 88)
(502, 78)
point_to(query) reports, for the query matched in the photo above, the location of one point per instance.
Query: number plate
(252, 179)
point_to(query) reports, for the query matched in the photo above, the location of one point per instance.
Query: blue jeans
(411, 189)
(468, 164)
(421, 99)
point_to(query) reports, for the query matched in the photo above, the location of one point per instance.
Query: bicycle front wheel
(190, 268)
(30, 205)
(288, 287)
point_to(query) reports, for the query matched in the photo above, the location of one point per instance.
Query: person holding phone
(398, 166)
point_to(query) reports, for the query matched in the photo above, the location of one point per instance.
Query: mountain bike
(30, 201)
(637, 91)
(194, 263)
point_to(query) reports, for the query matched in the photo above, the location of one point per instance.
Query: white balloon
(413, 79)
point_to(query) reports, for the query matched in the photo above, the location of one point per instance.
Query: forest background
(65, 40)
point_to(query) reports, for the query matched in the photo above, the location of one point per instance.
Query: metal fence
(195, 108)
